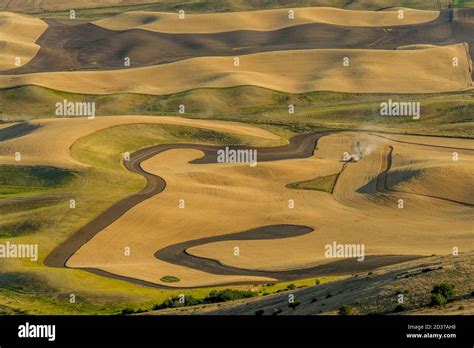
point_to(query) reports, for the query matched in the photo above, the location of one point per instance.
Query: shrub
(175, 302)
(438, 300)
(227, 295)
(259, 312)
(293, 305)
(317, 282)
(444, 289)
(170, 279)
(127, 311)
(399, 308)
(345, 310)
(291, 287)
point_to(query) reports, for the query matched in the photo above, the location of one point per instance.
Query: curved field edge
(92, 250)
(300, 146)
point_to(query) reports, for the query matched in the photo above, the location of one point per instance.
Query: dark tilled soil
(75, 45)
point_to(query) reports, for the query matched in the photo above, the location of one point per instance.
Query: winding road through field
(300, 146)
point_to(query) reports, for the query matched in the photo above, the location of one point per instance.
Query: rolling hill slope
(368, 71)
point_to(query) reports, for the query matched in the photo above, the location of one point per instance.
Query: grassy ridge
(22, 179)
(31, 198)
(448, 114)
(464, 3)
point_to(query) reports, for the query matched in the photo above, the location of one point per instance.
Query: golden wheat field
(367, 71)
(367, 217)
(18, 35)
(262, 20)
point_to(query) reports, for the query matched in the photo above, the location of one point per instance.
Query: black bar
(228, 330)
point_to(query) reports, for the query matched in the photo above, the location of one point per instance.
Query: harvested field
(80, 45)
(262, 20)
(18, 34)
(365, 210)
(431, 70)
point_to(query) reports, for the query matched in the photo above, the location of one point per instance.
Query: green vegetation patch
(178, 301)
(463, 3)
(21, 179)
(441, 294)
(215, 296)
(105, 149)
(345, 310)
(16, 206)
(322, 183)
(19, 228)
(170, 279)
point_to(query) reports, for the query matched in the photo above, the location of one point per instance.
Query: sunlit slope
(368, 294)
(18, 35)
(417, 172)
(368, 71)
(364, 214)
(262, 20)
